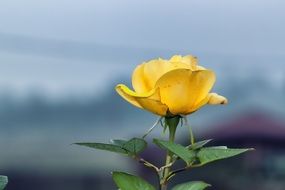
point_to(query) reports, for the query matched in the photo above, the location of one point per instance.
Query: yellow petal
(179, 62)
(139, 81)
(153, 70)
(146, 75)
(199, 105)
(191, 60)
(200, 68)
(182, 89)
(175, 58)
(214, 98)
(149, 101)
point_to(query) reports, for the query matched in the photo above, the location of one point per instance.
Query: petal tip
(118, 86)
(217, 99)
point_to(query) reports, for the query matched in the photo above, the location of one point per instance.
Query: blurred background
(60, 61)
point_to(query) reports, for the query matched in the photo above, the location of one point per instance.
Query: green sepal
(193, 185)
(185, 154)
(210, 154)
(172, 121)
(126, 181)
(3, 181)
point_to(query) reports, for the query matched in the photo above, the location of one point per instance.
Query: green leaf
(187, 155)
(103, 146)
(118, 142)
(210, 154)
(199, 144)
(3, 182)
(135, 146)
(130, 182)
(193, 185)
(131, 147)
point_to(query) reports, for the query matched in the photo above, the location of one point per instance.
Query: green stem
(171, 123)
(191, 135)
(190, 130)
(169, 154)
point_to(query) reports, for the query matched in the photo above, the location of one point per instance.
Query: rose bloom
(178, 86)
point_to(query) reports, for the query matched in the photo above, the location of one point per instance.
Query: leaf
(103, 146)
(130, 182)
(199, 144)
(3, 182)
(193, 185)
(135, 146)
(210, 154)
(118, 142)
(131, 147)
(187, 155)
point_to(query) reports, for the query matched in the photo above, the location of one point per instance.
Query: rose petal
(212, 98)
(182, 89)
(215, 98)
(146, 75)
(186, 62)
(139, 81)
(149, 101)
(154, 69)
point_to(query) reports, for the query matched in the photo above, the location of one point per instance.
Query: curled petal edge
(149, 101)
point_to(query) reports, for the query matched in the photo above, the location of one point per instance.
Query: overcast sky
(206, 24)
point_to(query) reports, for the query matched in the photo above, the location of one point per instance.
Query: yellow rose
(171, 87)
